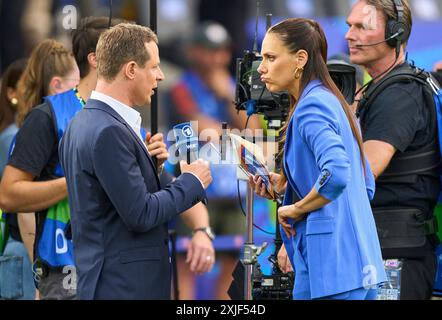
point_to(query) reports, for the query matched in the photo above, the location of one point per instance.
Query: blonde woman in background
(51, 69)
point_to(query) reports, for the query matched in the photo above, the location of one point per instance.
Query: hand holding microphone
(199, 168)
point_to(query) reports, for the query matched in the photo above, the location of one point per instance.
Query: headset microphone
(397, 34)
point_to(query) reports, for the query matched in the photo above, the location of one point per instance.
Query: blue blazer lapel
(104, 107)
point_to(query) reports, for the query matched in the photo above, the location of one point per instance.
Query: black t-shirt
(399, 116)
(35, 151)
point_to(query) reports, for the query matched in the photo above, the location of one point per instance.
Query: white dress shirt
(129, 114)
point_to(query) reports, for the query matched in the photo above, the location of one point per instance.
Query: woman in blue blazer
(330, 234)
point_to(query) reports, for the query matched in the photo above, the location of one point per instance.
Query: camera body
(277, 286)
(252, 94)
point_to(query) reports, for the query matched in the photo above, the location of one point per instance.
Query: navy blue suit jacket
(118, 209)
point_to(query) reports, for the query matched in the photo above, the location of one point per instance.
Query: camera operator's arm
(200, 253)
(379, 155)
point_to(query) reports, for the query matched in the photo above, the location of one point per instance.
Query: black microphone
(397, 34)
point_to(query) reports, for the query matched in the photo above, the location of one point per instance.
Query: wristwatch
(207, 230)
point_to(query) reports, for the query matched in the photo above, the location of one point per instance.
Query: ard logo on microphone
(187, 131)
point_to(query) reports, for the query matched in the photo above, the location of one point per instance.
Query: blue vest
(53, 247)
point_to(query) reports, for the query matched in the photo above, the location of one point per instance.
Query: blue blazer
(341, 238)
(118, 211)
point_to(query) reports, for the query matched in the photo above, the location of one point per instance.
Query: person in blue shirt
(329, 231)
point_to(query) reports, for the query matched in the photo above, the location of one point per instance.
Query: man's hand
(157, 148)
(200, 254)
(199, 168)
(284, 261)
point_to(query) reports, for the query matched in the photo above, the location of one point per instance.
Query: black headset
(397, 26)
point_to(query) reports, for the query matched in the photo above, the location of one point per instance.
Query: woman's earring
(298, 72)
(14, 101)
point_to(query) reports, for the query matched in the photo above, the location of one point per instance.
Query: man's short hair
(389, 11)
(85, 38)
(121, 44)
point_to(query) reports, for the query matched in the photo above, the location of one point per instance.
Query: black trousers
(417, 277)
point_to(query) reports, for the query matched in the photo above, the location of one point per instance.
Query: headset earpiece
(396, 27)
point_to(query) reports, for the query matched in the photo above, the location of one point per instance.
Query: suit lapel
(104, 107)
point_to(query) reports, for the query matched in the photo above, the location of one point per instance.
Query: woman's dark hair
(10, 80)
(306, 34)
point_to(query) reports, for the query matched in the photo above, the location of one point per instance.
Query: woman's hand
(289, 212)
(284, 261)
(260, 188)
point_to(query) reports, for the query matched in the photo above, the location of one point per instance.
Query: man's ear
(130, 70)
(92, 60)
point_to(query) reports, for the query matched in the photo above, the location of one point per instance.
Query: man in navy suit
(118, 210)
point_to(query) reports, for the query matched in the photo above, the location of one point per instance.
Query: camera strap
(405, 166)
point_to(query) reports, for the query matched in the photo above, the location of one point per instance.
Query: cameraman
(396, 123)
